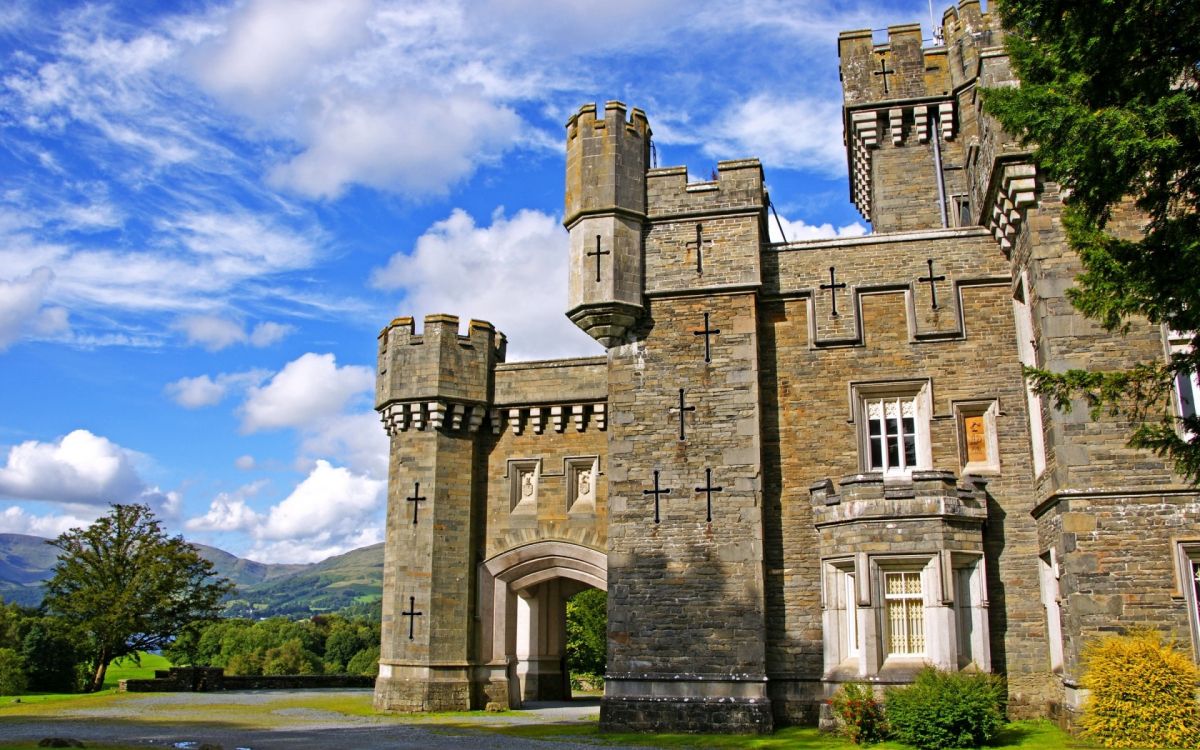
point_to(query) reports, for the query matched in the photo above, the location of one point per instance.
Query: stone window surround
(1187, 586)
(916, 389)
(989, 409)
(1027, 353)
(1051, 593)
(871, 598)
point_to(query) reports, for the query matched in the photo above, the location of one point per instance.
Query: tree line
(122, 587)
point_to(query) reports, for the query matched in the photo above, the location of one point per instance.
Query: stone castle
(798, 464)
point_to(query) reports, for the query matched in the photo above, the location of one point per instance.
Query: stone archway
(523, 594)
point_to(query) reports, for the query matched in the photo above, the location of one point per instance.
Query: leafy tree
(291, 658)
(12, 673)
(365, 662)
(51, 653)
(129, 586)
(587, 632)
(1110, 100)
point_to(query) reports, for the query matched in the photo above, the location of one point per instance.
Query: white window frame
(912, 393)
(1186, 386)
(886, 599)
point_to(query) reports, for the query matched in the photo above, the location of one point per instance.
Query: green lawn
(1020, 735)
(279, 712)
(125, 669)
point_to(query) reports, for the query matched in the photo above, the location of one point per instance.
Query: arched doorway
(523, 596)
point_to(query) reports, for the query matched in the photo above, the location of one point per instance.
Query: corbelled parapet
(924, 494)
(437, 377)
(607, 158)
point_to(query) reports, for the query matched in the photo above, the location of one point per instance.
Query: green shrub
(947, 709)
(860, 715)
(12, 673)
(1143, 692)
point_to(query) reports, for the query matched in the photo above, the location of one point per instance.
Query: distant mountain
(352, 581)
(25, 561)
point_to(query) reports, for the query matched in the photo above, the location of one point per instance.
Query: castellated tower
(675, 303)
(432, 391)
(607, 157)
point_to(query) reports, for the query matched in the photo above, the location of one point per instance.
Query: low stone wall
(204, 679)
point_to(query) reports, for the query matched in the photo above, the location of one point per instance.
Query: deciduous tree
(1110, 102)
(129, 586)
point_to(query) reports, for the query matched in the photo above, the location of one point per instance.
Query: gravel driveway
(256, 721)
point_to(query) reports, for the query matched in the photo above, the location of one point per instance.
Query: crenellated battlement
(901, 68)
(438, 363)
(967, 32)
(607, 157)
(739, 185)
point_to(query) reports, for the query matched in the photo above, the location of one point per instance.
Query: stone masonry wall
(685, 594)
(891, 334)
(1117, 560)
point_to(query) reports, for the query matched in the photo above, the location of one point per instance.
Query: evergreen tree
(128, 586)
(1110, 101)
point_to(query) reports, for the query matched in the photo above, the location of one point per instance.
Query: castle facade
(797, 465)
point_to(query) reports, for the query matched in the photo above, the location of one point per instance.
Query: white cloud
(477, 272)
(23, 310)
(421, 145)
(215, 333)
(786, 133)
(269, 44)
(81, 468)
(229, 512)
(333, 510)
(15, 520)
(211, 332)
(245, 462)
(357, 439)
(799, 231)
(204, 390)
(309, 390)
(265, 334)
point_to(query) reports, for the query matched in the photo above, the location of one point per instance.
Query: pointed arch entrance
(523, 594)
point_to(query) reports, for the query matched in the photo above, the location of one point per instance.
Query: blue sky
(209, 210)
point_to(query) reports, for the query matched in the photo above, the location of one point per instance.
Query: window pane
(1187, 397)
(910, 450)
(877, 453)
(893, 452)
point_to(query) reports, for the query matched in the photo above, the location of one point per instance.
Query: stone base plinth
(413, 689)
(731, 716)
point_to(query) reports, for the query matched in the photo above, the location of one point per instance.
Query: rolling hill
(351, 581)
